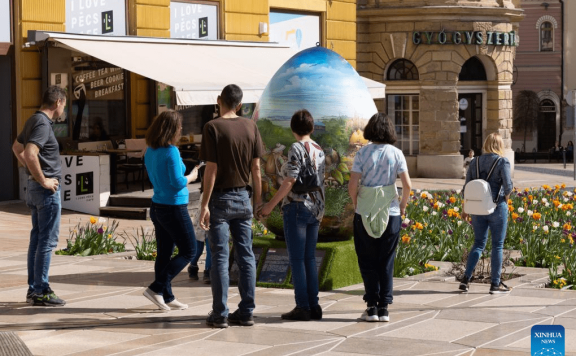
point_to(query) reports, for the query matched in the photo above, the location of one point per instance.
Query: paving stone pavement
(106, 313)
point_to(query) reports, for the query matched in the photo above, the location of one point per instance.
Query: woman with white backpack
(494, 169)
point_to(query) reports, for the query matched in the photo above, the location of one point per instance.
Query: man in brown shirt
(231, 147)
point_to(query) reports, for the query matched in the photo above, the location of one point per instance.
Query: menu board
(106, 83)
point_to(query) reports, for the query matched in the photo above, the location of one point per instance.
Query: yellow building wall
(239, 20)
(146, 18)
(242, 19)
(32, 15)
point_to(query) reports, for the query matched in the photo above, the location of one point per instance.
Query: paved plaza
(106, 313)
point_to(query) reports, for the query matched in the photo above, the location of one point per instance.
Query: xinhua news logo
(548, 340)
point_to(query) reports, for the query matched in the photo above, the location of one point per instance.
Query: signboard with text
(80, 185)
(193, 20)
(495, 38)
(99, 84)
(96, 17)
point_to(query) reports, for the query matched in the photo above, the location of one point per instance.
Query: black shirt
(38, 130)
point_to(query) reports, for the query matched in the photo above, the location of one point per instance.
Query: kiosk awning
(196, 69)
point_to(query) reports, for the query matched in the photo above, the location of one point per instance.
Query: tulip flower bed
(96, 237)
(540, 226)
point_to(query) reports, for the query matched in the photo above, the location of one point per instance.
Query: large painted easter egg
(322, 82)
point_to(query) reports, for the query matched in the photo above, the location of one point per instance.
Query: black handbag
(308, 179)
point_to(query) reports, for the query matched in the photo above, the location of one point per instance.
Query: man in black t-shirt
(37, 150)
(231, 147)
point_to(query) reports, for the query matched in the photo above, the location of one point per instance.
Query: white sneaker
(371, 314)
(156, 299)
(176, 305)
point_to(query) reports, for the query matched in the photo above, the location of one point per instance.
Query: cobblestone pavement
(106, 313)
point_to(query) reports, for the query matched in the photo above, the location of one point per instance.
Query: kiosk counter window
(97, 100)
(194, 117)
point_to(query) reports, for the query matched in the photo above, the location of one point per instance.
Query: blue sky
(321, 81)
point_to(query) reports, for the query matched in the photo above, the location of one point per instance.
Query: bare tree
(526, 109)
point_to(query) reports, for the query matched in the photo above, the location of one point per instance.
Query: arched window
(547, 105)
(402, 69)
(473, 69)
(546, 37)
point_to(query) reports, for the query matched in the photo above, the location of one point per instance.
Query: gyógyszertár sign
(465, 37)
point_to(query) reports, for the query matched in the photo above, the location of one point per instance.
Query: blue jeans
(376, 260)
(231, 213)
(497, 222)
(173, 227)
(301, 233)
(45, 207)
(199, 250)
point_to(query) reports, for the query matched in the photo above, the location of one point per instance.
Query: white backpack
(478, 195)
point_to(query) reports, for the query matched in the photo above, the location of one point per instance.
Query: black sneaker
(370, 314)
(47, 299)
(499, 289)
(216, 321)
(30, 296)
(206, 277)
(239, 319)
(316, 313)
(383, 314)
(297, 314)
(464, 284)
(193, 272)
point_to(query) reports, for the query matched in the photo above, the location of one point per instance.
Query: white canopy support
(196, 69)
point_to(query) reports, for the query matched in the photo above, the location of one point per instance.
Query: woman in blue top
(169, 209)
(376, 167)
(501, 187)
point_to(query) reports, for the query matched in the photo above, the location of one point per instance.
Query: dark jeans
(231, 214)
(173, 228)
(376, 260)
(45, 210)
(301, 233)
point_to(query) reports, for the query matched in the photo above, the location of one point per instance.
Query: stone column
(439, 126)
(500, 117)
(439, 133)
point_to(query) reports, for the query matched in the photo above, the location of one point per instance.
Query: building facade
(123, 101)
(569, 67)
(539, 63)
(448, 70)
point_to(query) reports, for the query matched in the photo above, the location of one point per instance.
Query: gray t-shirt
(38, 130)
